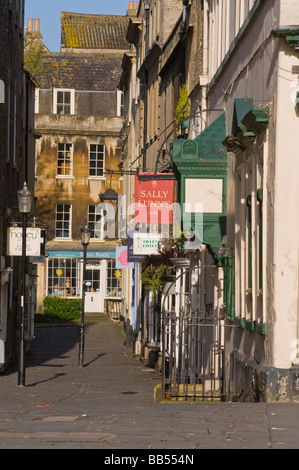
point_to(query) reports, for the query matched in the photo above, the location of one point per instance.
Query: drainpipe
(205, 59)
(145, 118)
(182, 34)
(205, 38)
(146, 7)
(185, 3)
(203, 261)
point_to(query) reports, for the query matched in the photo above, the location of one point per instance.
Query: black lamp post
(85, 234)
(25, 201)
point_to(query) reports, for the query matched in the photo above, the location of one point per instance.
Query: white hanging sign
(145, 243)
(15, 237)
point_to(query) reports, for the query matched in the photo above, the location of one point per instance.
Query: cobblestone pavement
(109, 404)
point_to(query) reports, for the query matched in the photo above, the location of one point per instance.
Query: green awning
(241, 108)
(207, 146)
(289, 32)
(210, 140)
(248, 122)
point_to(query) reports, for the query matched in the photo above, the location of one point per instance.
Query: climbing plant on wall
(182, 109)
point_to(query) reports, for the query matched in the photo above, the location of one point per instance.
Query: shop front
(64, 274)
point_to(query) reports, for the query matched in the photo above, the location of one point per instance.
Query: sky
(49, 12)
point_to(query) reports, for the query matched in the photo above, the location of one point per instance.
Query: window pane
(67, 97)
(60, 97)
(67, 109)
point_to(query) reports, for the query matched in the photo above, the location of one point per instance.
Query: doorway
(94, 296)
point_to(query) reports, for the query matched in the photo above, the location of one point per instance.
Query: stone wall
(251, 381)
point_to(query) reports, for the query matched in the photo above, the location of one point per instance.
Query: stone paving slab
(109, 403)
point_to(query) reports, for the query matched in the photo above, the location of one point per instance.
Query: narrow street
(109, 403)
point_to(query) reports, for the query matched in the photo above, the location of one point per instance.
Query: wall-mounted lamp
(110, 197)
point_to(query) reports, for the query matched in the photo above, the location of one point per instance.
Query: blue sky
(49, 14)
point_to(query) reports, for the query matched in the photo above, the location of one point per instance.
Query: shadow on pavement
(52, 341)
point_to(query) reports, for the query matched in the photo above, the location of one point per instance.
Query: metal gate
(193, 363)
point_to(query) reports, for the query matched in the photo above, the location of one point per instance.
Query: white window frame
(69, 238)
(71, 160)
(104, 156)
(36, 101)
(120, 105)
(2, 92)
(72, 100)
(96, 221)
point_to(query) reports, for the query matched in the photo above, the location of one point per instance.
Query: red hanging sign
(153, 201)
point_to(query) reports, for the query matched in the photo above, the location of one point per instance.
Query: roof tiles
(93, 31)
(93, 71)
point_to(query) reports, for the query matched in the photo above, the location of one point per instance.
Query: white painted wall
(260, 67)
(286, 220)
(225, 20)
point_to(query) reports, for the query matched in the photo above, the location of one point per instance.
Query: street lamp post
(85, 233)
(25, 201)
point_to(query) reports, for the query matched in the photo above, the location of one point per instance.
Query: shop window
(64, 277)
(114, 279)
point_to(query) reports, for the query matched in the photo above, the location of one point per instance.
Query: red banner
(153, 201)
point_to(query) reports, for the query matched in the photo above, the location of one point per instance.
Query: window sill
(62, 239)
(97, 178)
(65, 177)
(239, 321)
(250, 325)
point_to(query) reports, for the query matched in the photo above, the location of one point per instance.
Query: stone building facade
(78, 119)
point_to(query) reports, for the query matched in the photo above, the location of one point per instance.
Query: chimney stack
(131, 11)
(29, 26)
(36, 26)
